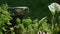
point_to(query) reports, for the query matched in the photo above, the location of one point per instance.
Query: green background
(38, 8)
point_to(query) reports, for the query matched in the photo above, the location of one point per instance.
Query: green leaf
(11, 28)
(18, 20)
(9, 23)
(42, 20)
(26, 22)
(0, 32)
(4, 29)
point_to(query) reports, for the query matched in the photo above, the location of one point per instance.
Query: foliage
(27, 21)
(27, 25)
(4, 15)
(18, 21)
(55, 10)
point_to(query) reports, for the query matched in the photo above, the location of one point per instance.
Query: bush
(27, 25)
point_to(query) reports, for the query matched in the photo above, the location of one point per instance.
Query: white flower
(54, 7)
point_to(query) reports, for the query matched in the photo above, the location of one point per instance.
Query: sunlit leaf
(4, 29)
(54, 7)
(18, 20)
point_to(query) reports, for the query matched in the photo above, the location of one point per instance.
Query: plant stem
(53, 24)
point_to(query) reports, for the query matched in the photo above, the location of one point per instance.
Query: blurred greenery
(38, 8)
